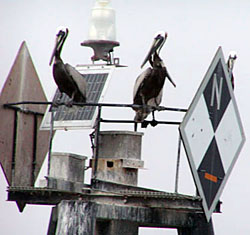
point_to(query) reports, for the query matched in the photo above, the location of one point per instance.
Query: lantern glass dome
(102, 22)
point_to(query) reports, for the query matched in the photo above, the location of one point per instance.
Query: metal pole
(34, 150)
(50, 138)
(178, 164)
(160, 108)
(96, 155)
(13, 160)
(132, 121)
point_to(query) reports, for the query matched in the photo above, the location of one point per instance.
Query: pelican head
(62, 33)
(232, 55)
(231, 59)
(159, 40)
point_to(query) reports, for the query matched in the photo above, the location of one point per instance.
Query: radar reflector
(81, 117)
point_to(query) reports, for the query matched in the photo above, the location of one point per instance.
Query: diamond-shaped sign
(212, 133)
(22, 146)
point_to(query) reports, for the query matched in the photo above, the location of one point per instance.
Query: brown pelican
(148, 87)
(67, 78)
(230, 64)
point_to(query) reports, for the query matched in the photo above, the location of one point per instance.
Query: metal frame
(189, 219)
(97, 120)
(35, 115)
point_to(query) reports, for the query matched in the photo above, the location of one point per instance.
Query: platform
(109, 202)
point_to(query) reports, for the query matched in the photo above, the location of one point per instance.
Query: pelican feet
(135, 127)
(145, 123)
(56, 103)
(69, 103)
(154, 123)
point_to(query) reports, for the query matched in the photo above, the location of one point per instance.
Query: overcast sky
(196, 29)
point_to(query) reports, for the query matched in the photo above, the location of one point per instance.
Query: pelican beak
(53, 55)
(57, 43)
(158, 42)
(169, 78)
(60, 37)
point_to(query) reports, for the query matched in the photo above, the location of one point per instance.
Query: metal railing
(97, 127)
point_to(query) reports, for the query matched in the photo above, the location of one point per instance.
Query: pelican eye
(158, 36)
(62, 33)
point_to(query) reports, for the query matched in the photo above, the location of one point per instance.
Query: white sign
(212, 133)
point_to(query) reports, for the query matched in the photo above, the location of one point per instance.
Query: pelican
(148, 86)
(230, 64)
(67, 78)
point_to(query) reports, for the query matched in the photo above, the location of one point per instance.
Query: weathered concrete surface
(120, 144)
(113, 170)
(67, 166)
(119, 154)
(66, 172)
(143, 216)
(124, 205)
(60, 184)
(76, 216)
(75, 219)
(123, 195)
(104, 227)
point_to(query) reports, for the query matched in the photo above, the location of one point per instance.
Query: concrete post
(66, 172)
(67, 166)
(119, 157)
(75, 218)
(78, 217)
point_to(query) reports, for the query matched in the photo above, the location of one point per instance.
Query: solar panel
(76, 117)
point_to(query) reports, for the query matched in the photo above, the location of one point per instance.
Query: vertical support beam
(50, 138)
(76, 217)
(96, 153)
(178, 164)
(34, 150)
(13, 161)
(53, 221)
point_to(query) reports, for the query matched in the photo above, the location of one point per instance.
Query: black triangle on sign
(211, 172)
(217, 95)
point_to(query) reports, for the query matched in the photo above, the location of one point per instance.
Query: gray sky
(195, 28)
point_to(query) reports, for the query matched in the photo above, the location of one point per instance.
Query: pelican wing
(156, 101)
(159, 98)
(77, 78)
(140, 79)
